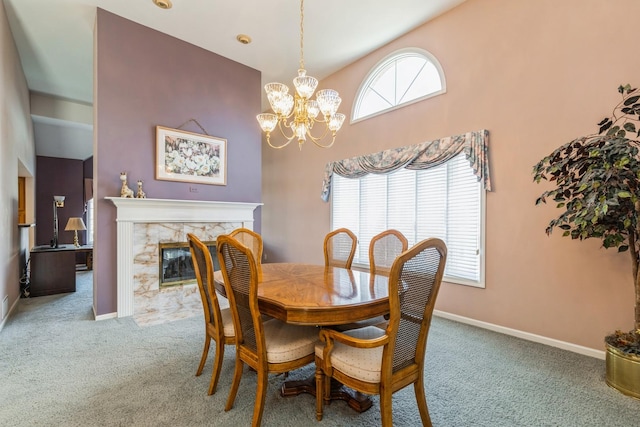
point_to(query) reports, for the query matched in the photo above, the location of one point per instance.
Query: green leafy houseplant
(597, 184)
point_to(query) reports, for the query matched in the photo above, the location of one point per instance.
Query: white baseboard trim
(104, 316)
(598, 354)
(13, 306)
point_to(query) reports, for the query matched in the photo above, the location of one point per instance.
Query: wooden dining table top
(308, 294)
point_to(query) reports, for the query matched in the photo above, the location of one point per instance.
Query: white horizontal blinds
(441, 202)
(431, 196)
(463, 218)
(401, 210)
(373, 212)
(345, 203)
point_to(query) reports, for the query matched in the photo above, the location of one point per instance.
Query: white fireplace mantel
(168, 210)
(133, 210)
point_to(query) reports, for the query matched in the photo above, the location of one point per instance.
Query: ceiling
(55, 42)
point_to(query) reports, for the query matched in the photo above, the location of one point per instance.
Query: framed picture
(190, 157)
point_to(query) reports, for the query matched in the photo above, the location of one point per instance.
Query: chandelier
(296, 115)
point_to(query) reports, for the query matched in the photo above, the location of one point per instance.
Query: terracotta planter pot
(623, 372)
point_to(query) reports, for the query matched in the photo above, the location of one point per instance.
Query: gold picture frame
(190, 157)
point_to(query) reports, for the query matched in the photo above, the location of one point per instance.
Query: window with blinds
(445, 202)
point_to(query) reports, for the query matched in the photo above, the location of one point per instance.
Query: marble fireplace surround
(141, 225)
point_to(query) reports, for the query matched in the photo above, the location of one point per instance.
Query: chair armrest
(328, 335)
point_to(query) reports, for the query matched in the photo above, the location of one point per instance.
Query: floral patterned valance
(426, 155)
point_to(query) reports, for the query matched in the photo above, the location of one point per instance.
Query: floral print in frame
(190, 157)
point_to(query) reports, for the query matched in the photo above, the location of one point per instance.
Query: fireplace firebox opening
(176, 265)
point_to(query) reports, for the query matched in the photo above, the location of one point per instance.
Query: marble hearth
(142, 225)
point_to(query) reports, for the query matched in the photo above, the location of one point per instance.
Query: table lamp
(75, 224)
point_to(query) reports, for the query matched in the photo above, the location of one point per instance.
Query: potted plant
(597, 185)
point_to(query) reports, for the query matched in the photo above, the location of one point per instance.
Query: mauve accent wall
(87, 167)
(143, 79)
(58, 177)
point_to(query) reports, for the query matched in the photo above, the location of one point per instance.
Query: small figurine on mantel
(125, 191)
(140, 194)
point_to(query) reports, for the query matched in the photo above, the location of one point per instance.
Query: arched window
(406, 76)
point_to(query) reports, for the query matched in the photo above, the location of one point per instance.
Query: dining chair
(383, 250)
(340, 248)
(218, 322)
(266, 346)
(375, 361)
(253, 241)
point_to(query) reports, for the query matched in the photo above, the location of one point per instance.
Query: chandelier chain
(296, 114)
(302, 34)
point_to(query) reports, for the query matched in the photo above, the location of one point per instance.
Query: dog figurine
(125, 191)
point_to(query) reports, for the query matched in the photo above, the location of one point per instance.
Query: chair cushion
(361, 363)
(227, 322)
(286, 342)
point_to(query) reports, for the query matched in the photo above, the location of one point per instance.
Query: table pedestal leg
(357, 401)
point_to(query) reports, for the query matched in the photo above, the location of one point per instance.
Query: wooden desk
(88, 250)
(307, 294)
(53, 270)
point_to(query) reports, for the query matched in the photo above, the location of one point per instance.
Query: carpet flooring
(59, 367)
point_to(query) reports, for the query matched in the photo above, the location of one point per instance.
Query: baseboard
(13, 306)
(96, 317)
(598, 354)
(104, 316)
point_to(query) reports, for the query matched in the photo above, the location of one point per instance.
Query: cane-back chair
(383, 250)
(375, 361)
(340, 248)
(218, 322)
(266, 346)
(253, 241)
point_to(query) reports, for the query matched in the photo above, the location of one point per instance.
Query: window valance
(425, 155)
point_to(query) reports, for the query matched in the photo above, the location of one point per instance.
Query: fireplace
(176, 265)
(142, 224)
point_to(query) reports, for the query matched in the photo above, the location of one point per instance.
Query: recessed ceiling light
(243, 38)
(163, 4)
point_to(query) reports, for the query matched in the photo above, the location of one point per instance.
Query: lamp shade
(75, 224)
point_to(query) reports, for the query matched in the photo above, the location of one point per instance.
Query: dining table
(309, 294)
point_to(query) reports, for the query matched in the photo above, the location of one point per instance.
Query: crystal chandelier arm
(316, 140)
(333, 139)
(282, 125)
(277, 146)
(283, 132)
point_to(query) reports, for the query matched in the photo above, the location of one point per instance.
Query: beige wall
(17, 157)
(535, 73)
